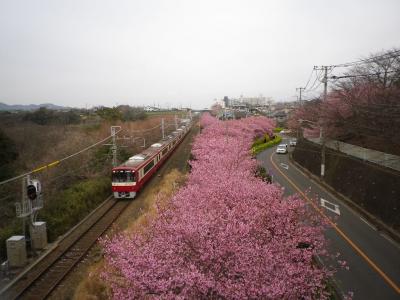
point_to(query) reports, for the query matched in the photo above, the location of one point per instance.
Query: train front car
(124, 182)
(129, 177)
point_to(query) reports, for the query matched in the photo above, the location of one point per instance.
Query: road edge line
(338, 230)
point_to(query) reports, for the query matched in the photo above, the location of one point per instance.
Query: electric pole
(321, 132)
(114, 144)
(300, 89)
(162, 128)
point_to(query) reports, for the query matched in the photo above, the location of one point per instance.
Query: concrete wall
(371, 186)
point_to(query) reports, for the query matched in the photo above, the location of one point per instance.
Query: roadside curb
(379, 225)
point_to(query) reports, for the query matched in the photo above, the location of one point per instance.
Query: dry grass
(160, 196)
(39, 145)
(92, 287)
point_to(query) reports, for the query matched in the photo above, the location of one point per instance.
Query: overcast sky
(180, 53)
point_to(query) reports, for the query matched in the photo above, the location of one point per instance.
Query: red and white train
(129, 177)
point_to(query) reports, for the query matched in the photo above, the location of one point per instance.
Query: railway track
(44, 277)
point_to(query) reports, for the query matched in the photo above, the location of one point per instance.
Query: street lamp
(322, 139)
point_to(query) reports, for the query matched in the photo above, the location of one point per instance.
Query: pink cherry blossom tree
(225, 235)
(362, 108)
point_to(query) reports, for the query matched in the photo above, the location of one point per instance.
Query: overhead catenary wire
(54, 163)
(86, 165)
(145, 130)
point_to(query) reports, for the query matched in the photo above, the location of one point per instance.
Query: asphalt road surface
(373, 258)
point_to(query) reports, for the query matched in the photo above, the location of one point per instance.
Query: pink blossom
(225, 234)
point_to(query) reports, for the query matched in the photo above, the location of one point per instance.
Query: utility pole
(321, 132)
(114, 144)
(300, 89)
(162, 128)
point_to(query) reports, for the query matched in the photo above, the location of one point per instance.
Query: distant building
(244, 102)
(280, 116)
(150, 108)
(226, 101)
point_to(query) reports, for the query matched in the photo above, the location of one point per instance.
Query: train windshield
(123, 176)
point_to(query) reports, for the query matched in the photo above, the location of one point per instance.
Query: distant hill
(7, 107)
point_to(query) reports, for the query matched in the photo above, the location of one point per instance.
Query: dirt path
(169, 177)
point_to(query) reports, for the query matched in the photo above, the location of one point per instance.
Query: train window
(165, 151)
(123, 176)
(148, 166)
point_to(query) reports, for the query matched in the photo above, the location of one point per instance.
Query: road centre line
(339, 231)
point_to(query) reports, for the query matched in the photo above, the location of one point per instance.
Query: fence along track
(39, 282)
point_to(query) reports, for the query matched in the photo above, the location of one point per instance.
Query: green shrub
(258, 141)
(262, 140)
(261, 147)
(262, 173)
(73, 204)
(278, 129)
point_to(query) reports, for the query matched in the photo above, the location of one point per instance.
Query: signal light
(31, 192)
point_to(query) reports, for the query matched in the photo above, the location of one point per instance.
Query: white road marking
(390, 240)
(330, 206)
(285, 166)
(366, 222)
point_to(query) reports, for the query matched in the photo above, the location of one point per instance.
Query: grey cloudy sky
(95, 52)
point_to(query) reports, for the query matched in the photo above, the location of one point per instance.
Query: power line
(362, 75)
(367, 60)
(309, 78)
(395, 53)
(317, 78)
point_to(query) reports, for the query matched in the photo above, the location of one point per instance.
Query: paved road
(373, 258)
